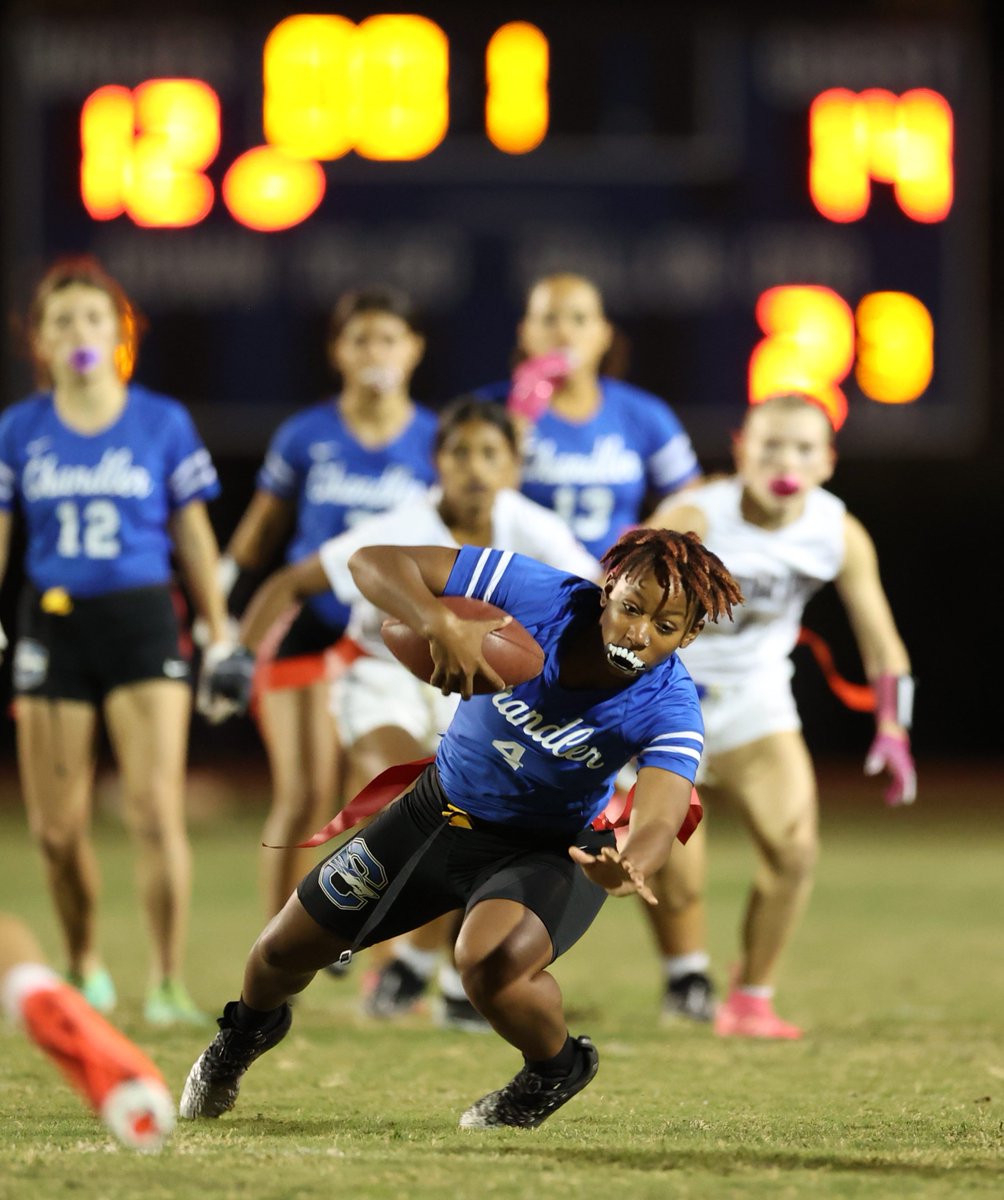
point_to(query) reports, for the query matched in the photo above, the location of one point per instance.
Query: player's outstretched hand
(891, 752)
(613, 872)
(225, 682)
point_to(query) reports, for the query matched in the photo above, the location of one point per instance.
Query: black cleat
(215, 1079)
(528, 1099)
(398, 989)
(691, 996)
(461, 1014)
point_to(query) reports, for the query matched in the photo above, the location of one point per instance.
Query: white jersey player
(783, 537)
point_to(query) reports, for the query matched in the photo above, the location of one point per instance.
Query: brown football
(511, 651)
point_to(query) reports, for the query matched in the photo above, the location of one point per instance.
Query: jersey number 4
(98, 520)
(512, 752)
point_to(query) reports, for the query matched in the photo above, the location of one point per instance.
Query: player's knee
(795, 860)
(58, 843)
(271, 949)
(678, 895)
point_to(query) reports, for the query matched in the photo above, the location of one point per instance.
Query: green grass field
(897, 973)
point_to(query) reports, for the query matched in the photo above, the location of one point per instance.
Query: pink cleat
(752, 1017)
(114, 1076)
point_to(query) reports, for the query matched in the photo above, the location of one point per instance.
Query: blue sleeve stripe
(504, 561)
(479, 567)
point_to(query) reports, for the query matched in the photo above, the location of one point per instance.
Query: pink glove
(534, 381)
(890, 752)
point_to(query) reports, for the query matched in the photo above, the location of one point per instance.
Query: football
(511, 651)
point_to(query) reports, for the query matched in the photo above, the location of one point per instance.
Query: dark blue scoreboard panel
(764, 204)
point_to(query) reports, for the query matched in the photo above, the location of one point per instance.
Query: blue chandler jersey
(596, 474)
(96, 506)
(315, 462)
(542, 756)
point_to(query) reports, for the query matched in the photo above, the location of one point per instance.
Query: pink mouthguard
(785, 485)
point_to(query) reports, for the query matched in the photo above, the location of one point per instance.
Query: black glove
(225, 682)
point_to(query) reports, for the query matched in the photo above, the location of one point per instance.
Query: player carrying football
(500, 823)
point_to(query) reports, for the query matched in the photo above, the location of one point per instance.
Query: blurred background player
(783, 537)
(114, 1076)
(364, 450)
(600, 452)
(110, 478)
(384, 714)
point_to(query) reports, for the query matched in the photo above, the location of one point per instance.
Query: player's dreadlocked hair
(675, 560)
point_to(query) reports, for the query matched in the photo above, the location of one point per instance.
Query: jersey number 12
(100, 529)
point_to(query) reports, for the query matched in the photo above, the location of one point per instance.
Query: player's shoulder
(424, 421)
(673, 687)
(26, 413)
(519, 510)
(631, 397)
(720, 490)
(320, 417)
(156, 406)
(640, 411)
(823, 503)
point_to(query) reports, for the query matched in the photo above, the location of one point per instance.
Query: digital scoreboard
(764, 205)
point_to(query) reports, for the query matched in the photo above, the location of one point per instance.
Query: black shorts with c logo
(460, 868)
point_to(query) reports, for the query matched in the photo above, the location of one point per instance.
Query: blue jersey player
(110, 479)
(367, 450)
(598, 451)
(500, 823)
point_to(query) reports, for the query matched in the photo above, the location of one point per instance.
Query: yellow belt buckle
(56, 601)
(458, 818)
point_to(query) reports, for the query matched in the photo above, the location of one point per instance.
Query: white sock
(450, 983)
(422, 962)
(678, 965)
(21, 981)
(757, 991)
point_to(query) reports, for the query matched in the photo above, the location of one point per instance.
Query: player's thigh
(549, 885)
(56, 755)
(348, 890)
(774, 784)
(147, 725)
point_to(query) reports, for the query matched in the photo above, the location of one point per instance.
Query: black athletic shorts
(99, 644)
(459, 868)
(308, 634)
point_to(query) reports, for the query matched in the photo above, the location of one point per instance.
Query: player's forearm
(5, 522)
(259, 533)
(198, 556)
(277, 595)
(391, 579)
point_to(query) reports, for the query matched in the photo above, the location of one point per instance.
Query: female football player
(350, 456)
(111, 479)
(384, 714)
(500, 823)
(784, 537)
(598, 451)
